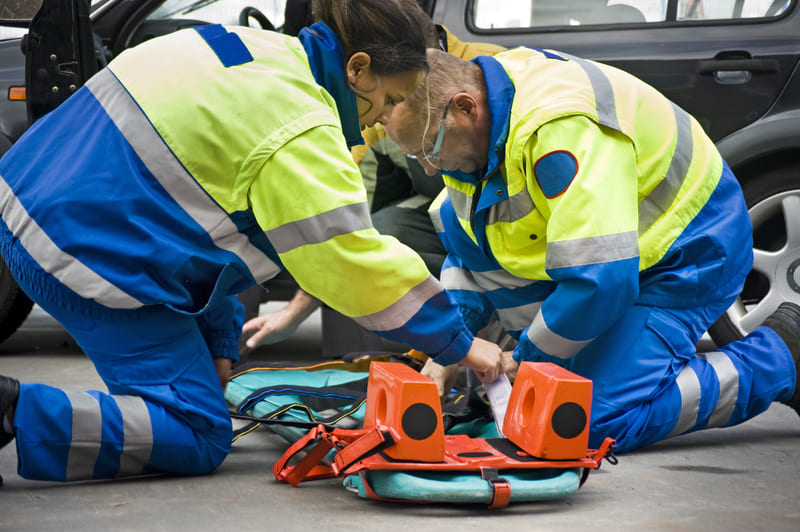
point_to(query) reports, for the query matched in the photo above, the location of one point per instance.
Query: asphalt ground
(742, 478)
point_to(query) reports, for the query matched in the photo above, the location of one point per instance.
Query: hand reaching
(510, 365)
(278, 326)
(485, 359)
(443, 376)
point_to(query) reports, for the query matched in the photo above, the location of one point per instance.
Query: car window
(219, 11)
(20, 12)
(499, 14)
(18, 9)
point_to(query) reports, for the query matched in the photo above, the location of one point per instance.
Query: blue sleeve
(587, 300)
(221, 326)
(475, 307)
(437, 321)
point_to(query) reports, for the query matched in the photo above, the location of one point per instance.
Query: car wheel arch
(766, 160)
(773, 134)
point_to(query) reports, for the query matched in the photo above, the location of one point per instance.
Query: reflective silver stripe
(551, 343)
(63, 266)
(137, 432)
(459, 279)
(436, 219)
(414, 202)
(173, 176)
(87, 434)
(661, 197)
(512, 209)
(594, 250)
(517, 318)
(603, 92)
(728, 379)
(689, 388)
(461, 202)
(494, 279)
(398, 314)
(320, 228)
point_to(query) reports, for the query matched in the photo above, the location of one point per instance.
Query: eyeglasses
(434, 158)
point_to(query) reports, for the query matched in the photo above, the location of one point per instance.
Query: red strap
(501, 489)
(368, 488)
(310, 467)
(501, 494)
(295, 474)
(372, 441)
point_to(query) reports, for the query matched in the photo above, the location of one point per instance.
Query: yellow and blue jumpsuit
(607, 234)
(193, 167)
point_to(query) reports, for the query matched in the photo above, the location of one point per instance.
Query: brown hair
(395, 33)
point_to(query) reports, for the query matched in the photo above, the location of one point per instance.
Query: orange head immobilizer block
(407, 401)
(548, 412)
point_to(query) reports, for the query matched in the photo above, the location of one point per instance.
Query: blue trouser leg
(164, 412)
(649, 384)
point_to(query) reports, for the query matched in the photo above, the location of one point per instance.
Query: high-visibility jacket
(468, 50)
(185, 194)
(585, 208)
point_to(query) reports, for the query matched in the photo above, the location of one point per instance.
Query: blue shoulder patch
(228, 46)
(554, 172)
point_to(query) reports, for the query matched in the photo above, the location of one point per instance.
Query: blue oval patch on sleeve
(554, 172)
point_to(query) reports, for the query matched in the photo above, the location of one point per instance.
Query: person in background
(600, 223)
(161, 197)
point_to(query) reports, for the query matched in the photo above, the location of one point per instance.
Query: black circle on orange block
(569, 420)
(419, 421)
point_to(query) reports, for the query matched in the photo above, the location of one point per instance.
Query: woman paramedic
(193, 166)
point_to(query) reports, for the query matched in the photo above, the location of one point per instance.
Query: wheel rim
(778, 267)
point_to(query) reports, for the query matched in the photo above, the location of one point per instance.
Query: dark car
(733, 64)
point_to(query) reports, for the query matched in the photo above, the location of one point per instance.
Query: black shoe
(9, 393)
(786, 322)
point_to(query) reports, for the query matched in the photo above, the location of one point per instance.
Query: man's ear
(465, 103)
(357, 65)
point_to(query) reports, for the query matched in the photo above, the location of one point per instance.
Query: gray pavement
(741, 478)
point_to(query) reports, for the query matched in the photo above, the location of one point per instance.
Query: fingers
(265, 326)
(488, 375)
(485, 359)
(437, 373)
(256, 337)
(510, 365)
(253, 324)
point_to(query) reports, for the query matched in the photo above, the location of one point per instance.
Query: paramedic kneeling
(601, 225)
(137, 210)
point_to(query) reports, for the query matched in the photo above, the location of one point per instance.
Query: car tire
(773, 201)
(14, 304)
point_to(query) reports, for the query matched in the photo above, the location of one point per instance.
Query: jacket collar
(326, 58)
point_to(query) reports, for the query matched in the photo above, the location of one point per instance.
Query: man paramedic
(602, 225)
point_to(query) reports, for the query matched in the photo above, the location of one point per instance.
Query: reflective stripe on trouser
(165, 411)
(648, 383)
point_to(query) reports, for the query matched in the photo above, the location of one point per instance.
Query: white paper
(499, 392)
